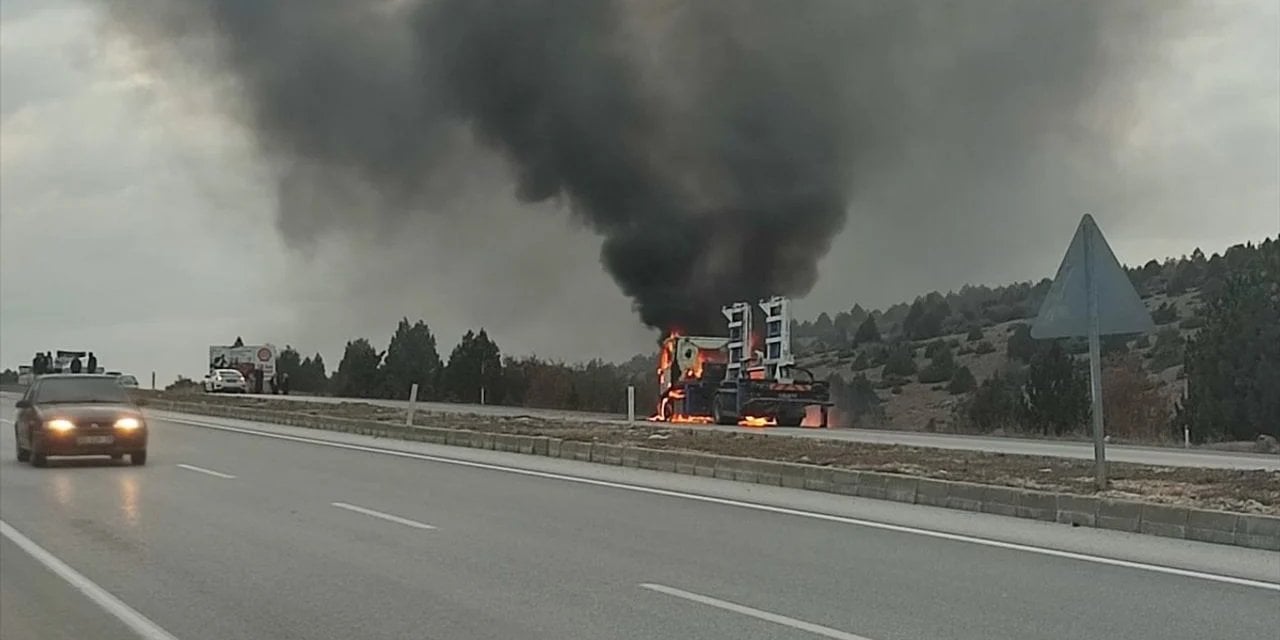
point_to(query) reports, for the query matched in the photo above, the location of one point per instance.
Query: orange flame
(757, 421)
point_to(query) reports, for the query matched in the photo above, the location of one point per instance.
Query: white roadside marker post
(413, 405)
(631, 403)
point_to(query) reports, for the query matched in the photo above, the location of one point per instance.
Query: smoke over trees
(715, 146)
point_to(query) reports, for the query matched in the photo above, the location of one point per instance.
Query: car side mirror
(23, 404)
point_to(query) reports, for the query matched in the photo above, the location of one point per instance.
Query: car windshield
(79, 389)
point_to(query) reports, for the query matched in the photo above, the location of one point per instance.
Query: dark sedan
(79, 415)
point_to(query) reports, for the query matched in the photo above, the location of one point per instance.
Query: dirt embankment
(1255, 491)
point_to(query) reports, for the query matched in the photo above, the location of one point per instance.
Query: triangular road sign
(1090, 268)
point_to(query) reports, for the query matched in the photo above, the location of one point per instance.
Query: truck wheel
(790, 419)
(138, 458)
(39, 460)
(723, 416)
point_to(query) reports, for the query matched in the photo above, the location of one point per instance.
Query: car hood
(88, 412)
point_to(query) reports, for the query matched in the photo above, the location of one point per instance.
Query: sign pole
(1095, 366)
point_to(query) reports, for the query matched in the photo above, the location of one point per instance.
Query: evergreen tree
(358, 374)
(941, 366)
(962, 381)
(996, 404)
(867, 332)
(1022, 347)
(1057, 392)
(289, 363)
(475, 364)
(1233, 363)
(411, 359)
(900, 363)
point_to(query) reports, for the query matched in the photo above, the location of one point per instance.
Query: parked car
(127, 381)
(225, 381)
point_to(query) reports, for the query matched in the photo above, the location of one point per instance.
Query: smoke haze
(717, 148)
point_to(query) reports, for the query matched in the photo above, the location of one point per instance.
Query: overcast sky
(137, 220)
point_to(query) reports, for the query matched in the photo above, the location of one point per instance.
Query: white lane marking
(139, 623)
(385, 516)
(211, 472)
(815, 629)
(1013, 546)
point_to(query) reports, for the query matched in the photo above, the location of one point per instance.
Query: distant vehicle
(747, 378)
(78, 415)
(225, 381)
(127, 381)
(256, 362)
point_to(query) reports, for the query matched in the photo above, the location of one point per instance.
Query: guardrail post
(413, 404)
(631, 403)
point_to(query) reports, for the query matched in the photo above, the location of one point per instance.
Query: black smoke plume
(714, 145)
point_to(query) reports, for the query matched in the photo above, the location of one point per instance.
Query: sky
(138, 218)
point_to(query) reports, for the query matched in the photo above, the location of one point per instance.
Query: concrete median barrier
(1239, 529)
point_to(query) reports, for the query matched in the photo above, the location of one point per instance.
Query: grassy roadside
(1240, 491)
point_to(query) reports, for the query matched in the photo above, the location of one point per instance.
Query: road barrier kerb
(1255, 531)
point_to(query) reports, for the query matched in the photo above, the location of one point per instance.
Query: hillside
(984, 330)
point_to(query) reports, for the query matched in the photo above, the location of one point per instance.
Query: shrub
(1165, 313)
(1194, 322)
(900, 363)
(984, 348)
(1167, 351)
(1134, 407)
(1021, 346)
(940, 368)
(1057, 393)
(891, 381)
(861, 363)
(934, 347)
(962, 381)
(975, 334)
(996, 404)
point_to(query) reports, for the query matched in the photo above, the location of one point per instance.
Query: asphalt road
(1163, 456)
(227, 535)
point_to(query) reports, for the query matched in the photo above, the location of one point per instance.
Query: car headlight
(60, 424)
(128, 423)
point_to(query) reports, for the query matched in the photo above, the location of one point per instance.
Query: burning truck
(748, 378)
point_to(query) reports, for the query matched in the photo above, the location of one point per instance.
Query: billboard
(258, 360)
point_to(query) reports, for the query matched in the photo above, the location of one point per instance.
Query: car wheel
(39, 460)
(138, 458)
(23, 454)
